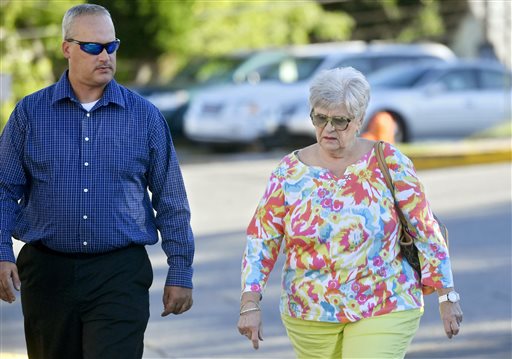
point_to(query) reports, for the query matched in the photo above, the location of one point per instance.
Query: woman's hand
(451, 315)
(249, 325)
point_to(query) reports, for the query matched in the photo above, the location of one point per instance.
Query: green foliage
(222, 26)
(30, 46)
(426, 25)
(148, 29)
(398, 20)
(334, 27)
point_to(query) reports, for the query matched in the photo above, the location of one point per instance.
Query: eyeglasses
(338, 122)
(95, 48)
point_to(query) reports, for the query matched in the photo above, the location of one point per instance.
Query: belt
(77, 255)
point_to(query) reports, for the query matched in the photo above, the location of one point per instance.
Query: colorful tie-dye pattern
(340, 238)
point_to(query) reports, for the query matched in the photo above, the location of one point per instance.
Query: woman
(346, 291)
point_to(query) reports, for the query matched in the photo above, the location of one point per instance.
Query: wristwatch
(452, 297)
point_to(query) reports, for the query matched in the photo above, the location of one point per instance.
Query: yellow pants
(382, 337)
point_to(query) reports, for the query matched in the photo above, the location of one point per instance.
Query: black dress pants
(84, 306)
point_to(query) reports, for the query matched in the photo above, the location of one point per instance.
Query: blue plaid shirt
(78, 181)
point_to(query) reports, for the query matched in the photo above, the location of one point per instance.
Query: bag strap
(381, 160)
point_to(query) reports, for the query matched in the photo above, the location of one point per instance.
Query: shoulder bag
(407, 247)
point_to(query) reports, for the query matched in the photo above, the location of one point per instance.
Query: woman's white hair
(340, 87)
(77, 11)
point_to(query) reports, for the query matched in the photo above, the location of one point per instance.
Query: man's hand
(8, 275)
(176, 300)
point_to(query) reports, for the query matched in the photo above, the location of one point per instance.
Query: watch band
(446, 297)
(443, 298)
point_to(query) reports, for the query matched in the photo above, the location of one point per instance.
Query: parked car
(268, 110)
(172, 99)
(456, 98)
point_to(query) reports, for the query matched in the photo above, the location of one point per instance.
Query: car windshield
(399, 76)
(291, 69)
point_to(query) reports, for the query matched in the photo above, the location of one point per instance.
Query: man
(76, 162)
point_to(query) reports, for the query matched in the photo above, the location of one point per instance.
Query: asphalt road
(474, 202)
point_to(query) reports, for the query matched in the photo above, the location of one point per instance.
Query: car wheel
(281, 137)
(400, 134)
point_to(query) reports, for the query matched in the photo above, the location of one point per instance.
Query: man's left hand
(176, 300)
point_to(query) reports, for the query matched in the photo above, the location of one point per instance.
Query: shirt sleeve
(432, 248)
(170, 202)
(264, 236)
(12, 179)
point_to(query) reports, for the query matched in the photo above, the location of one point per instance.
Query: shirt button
(87, 138)
(86, 190)
(84, 217)
(86, 164)
(85, 243)
(88, 114)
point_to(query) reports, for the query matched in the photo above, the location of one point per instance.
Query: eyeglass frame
(103, 46)
(330, 119)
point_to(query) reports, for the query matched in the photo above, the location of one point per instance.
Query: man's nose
(103, 56)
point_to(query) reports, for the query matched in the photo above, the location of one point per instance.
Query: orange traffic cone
(381, 127)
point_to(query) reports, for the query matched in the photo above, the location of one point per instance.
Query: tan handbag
(407, 248)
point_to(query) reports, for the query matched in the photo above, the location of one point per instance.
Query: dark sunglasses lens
(96, 49)
(112, 46)
(319, 120)
(92, 48)
(340, 122)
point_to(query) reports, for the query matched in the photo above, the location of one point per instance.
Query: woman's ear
(360, 123)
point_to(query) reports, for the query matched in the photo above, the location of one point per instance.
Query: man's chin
(104, 78)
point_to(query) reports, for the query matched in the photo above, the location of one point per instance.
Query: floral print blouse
(340, 240)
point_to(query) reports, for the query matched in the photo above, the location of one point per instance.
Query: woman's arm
(264, 236)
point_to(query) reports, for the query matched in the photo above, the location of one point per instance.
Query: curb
(439, 155)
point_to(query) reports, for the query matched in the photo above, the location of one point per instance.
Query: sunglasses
(338, 122)
(95, 48)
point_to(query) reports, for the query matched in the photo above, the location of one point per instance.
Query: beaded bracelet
(250, 310)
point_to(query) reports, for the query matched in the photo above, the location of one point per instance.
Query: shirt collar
(112, 92)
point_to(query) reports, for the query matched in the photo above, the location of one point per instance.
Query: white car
(247, 113)
(452, 99)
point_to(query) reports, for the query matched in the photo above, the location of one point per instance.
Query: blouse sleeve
(432, 248)
(264, 236)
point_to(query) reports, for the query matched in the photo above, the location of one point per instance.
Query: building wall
(485, 31)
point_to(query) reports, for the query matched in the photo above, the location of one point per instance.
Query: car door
(495, 97)
(450, 104)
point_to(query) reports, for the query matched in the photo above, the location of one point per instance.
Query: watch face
(453, 297)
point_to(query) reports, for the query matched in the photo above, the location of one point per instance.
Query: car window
(399, 76)
(368, 65)
(491, 79)
(211, 70)
(381, 62)
(459, 80)
(361, 64)
(292, 69)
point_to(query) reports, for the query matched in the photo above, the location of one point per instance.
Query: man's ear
(65, 49)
